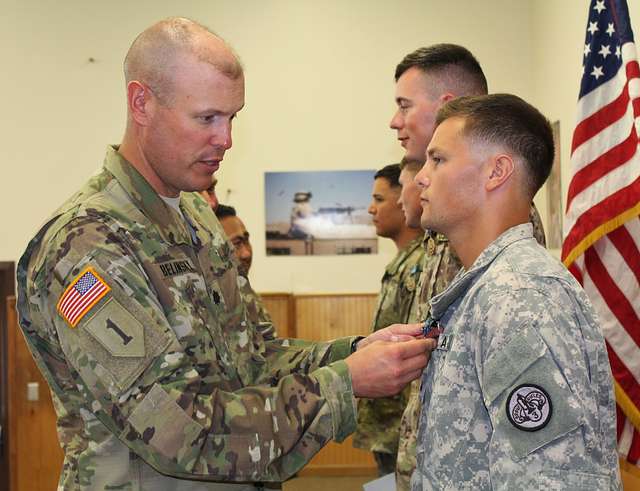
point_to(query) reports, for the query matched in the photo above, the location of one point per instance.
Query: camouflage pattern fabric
(379, 419)
(256, 311)
(519, 393)
(440, 265)
(155, 383)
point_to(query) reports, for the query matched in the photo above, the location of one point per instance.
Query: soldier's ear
(500, 168)
(140, 102)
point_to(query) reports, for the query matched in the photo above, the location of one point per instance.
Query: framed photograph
(319, 213)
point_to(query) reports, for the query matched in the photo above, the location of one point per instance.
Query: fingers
(412, 330)
(416, 347)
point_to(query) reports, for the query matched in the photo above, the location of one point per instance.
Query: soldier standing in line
(238, 235)
(519, 392)
(425, 80)
(128, 299)
(379, 420)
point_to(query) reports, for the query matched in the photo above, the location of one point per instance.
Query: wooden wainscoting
(324, 317)
(281, 307)
(35, 457)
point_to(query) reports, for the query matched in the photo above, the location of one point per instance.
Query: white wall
(319, 96)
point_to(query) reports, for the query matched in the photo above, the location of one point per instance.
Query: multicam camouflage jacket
(379, 419)
(440, 265)
(256, 311)
(159, 379)
(518, 393)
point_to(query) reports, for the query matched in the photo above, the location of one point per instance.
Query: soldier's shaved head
(156, 54)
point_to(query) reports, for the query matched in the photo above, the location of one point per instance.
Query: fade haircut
(391, 173)
(453, 68)
(225, 211)
(154, 55)
(411, 164)
(510, 122)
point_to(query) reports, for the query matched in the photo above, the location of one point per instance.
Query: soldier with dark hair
(379, 419)
(519, 392)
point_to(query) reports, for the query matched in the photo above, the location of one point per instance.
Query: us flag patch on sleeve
(84, 292)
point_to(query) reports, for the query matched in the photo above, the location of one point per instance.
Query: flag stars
(604, 51)
(599, 6)
(587, 50)
(593, 28)
(610, 29)
(597, 72)
(618, 52)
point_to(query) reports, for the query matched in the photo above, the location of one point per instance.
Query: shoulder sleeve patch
(84, 292)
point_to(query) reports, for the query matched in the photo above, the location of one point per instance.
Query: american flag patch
(82, 294)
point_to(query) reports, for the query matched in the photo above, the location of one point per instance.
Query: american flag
(602, 228)
(82, 294)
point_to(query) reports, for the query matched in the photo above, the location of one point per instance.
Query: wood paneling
(7, 289)
(281, 307)
(324, 317)
(35, 457)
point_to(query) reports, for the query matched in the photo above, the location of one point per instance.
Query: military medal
(431, 328)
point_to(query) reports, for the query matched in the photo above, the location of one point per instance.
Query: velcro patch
(81, 295)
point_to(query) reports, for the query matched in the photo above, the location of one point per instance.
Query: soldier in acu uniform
(379, 420)
(129, 300)
(426, 79)
(519, 393)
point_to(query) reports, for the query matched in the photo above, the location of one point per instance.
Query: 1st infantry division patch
(81, 295)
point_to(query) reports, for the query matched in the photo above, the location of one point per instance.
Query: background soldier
(379, 420)
(238, 235)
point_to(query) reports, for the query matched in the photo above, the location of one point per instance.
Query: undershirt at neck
(175, 204)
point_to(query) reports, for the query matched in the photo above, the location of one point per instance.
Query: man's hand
(384, 368)
(395, 332)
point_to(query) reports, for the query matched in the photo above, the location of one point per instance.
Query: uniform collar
(166, 220)
(463, 279)
(402, 255)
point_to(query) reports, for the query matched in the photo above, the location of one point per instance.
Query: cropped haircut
(508, 121)
(456, 68)
(224, 211)
(391, 173)
(154, 55)
(411, 164)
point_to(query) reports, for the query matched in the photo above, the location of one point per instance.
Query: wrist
(354, 343)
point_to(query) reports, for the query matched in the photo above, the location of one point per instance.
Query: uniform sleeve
(184, 419)
(535, 385)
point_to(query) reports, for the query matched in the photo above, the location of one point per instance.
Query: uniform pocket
(529, 400)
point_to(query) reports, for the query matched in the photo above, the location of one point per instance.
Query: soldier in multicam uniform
(238, 235)
(379, 419)
(519, 392)
(426, 79)
(128, 298)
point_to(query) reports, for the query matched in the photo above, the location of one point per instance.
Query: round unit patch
(529, 407)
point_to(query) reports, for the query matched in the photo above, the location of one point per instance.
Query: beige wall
(319, 96)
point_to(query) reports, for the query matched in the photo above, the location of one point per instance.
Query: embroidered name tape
(84, 292)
